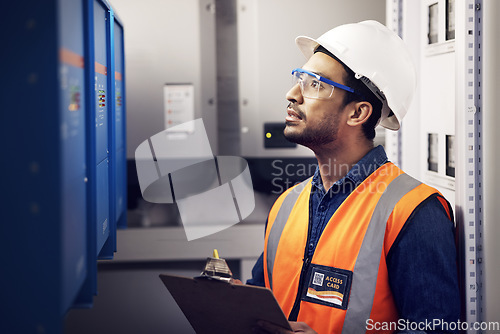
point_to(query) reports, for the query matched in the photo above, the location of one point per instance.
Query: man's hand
(265, 327)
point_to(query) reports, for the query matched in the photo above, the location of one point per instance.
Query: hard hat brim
(307, 45)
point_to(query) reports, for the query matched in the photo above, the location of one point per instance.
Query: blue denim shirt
(422, 263)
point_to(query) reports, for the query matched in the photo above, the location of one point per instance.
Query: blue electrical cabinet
(120, 124)
(116, 134)
(62, 125)
(43, 215)
(101, 107)
(99, 63)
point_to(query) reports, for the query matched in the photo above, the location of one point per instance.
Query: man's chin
(292, 137)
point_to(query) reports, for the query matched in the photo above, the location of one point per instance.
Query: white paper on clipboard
(179, 106)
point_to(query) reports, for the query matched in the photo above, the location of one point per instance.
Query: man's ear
(360, 113)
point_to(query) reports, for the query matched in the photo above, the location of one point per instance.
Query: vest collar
(359, 172)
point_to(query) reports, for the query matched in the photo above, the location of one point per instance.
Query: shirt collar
(360, 171)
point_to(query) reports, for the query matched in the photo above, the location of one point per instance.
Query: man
(362, 245)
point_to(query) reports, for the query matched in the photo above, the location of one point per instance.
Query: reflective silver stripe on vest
(367, 263)
(279, 224)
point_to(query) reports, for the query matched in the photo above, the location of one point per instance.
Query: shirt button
(322, 208)
(311, 245)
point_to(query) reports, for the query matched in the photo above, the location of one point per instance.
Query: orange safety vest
(345, 285)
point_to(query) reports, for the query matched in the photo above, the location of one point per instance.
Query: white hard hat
(372, 51)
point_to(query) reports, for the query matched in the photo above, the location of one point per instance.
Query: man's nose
(295, 94)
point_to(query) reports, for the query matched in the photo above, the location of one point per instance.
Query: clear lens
(312, 87)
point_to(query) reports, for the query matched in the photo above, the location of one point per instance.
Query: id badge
(328, 286)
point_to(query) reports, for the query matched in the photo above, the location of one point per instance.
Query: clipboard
(213, 306)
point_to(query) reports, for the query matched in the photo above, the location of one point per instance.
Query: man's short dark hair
(366, 95)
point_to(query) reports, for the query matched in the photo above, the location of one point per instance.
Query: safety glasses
(315, 86)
